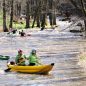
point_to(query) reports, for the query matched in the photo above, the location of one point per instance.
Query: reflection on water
(61, 48)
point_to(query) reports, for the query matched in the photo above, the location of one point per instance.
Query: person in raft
(33, 59)
(20, 58)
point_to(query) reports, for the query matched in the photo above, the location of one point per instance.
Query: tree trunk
(34, 21)
(50, 19)
(37, 14)
(36, 17)
(85, 27)
(27, 21)
(43, 22)
(27, 15)
(54, 19)
(11, 15)
(4, 17)
(38, 21)
(18, 9)
(52, 15)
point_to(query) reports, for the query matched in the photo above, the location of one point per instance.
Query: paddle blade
(7, 70)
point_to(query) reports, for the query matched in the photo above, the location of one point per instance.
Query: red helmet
(20, 51)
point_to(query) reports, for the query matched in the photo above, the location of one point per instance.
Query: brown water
(60, 48)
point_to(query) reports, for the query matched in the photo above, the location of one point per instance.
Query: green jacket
(17, 59)
(33, 59)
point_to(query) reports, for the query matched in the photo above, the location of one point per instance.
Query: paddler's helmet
(33, 51)
(20, 51)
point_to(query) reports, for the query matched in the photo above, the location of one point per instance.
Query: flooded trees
(52, 13)
(36, 12)
(43, 9)
(44, 12)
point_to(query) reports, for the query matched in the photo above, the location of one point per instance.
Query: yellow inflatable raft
(40, 69)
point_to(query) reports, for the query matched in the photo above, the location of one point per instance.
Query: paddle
(7, 70)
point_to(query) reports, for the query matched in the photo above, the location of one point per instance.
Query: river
(61, 48)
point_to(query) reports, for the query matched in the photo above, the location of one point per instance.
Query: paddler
(20, 58)
(33, 59)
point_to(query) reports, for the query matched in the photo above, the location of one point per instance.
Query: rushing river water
(52, 47)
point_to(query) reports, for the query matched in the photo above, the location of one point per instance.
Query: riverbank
(1, 29)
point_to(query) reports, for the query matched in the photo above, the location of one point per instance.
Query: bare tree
(53, 11)
(11, 14)
(4, 17)
(27, 14)
(36, 13)
(44, 13)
